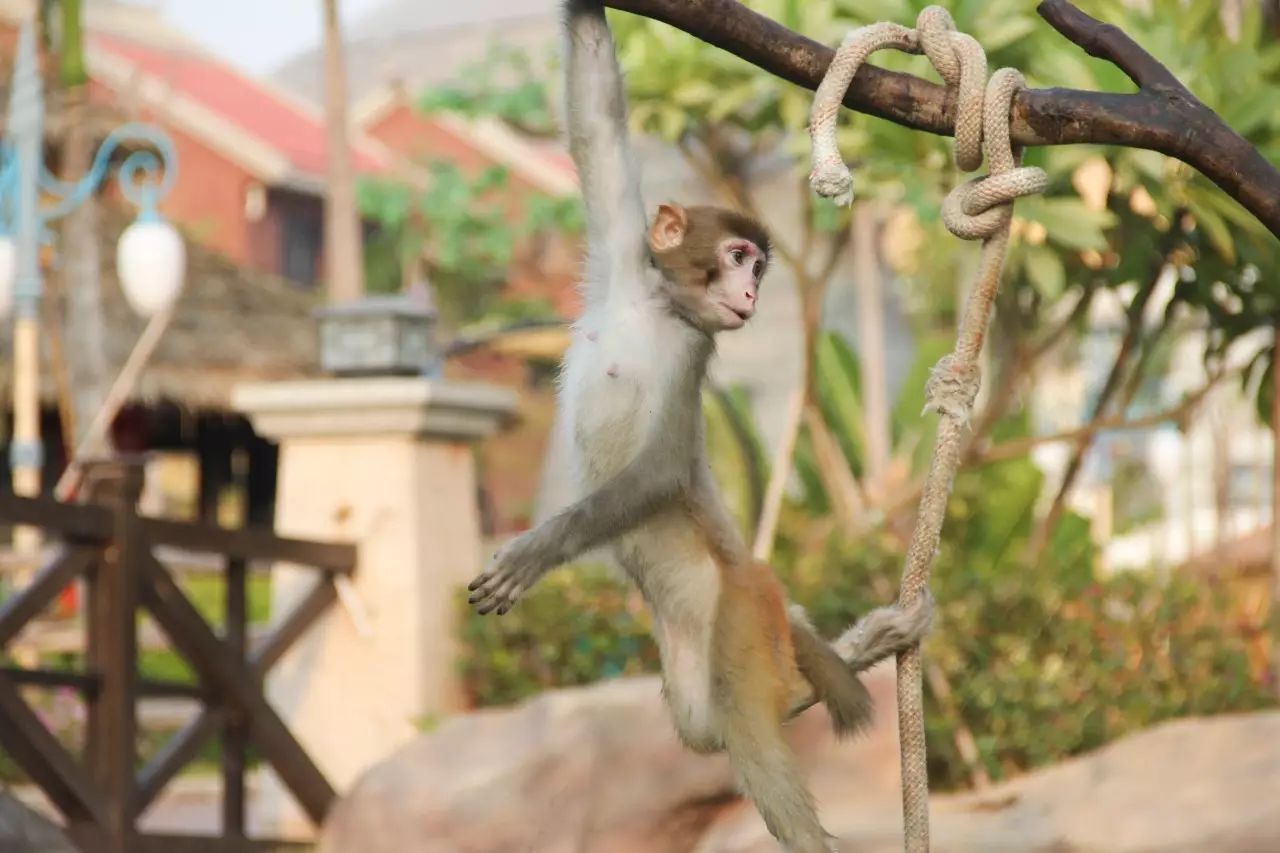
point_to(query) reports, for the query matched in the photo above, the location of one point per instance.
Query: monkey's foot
(514, 570)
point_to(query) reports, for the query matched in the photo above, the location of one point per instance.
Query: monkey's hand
(516, 567)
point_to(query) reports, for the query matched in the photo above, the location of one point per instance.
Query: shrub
(1044, 661)
(576, 626)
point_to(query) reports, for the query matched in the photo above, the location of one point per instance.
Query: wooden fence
(101, 793)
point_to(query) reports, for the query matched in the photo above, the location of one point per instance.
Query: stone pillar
(385, 463)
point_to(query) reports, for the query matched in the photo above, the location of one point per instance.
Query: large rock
(590, 769)
(1189, 785)
(599, 769)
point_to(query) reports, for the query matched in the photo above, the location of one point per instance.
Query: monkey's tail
(835, 684)
(884, 632)
(770, 776)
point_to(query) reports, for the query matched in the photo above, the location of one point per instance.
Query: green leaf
(1216, 228)
(1045, 269)
(1068, 221)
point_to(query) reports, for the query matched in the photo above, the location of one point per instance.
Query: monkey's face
(734, 282)
(712, 262)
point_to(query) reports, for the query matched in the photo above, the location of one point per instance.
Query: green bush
(1044, 661)
(1041, 666)
(576, 626)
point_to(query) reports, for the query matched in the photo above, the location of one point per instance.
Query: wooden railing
(101, 793)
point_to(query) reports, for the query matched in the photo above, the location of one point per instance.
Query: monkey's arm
(656, 478)
(597, 118)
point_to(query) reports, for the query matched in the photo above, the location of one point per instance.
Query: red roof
(254, 108)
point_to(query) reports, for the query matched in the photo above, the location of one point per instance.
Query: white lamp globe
(8, 273)
(1164, 455)
(151, 262)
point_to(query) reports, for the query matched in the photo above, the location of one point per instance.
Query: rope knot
(952, 387)
(977, 209)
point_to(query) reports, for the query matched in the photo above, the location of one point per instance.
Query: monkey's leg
(754, 675)
(885, 632)
(882, 633)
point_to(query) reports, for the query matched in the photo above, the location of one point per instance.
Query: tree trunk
(344, 268)
(1275, 509)
(81, 257)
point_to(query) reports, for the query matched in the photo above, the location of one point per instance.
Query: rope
(980, 209)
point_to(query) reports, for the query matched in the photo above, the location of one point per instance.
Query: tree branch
(1162, 116)
(1108, 42)
(1178, 414)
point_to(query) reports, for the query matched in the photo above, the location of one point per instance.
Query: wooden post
(113, 644)
(235, 733)
(1275, 510)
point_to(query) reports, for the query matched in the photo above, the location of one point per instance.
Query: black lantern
(379, 335)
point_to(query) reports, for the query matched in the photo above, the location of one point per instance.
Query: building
(254, 155)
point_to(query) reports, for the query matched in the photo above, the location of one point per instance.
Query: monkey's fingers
(500, 590)
(500, 602)
(481, 579)
(488, 607)
(484, 600)
(512, 597)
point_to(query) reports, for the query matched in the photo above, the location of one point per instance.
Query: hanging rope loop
(979, 209)
(962, 64)
(830, 177)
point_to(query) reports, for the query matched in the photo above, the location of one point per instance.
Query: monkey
(738, 659)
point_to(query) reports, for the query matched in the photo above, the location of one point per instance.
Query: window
(300, 247)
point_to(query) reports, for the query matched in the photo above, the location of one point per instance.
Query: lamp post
(150, 263)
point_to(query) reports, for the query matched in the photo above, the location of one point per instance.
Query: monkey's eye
(737, 255)
(758, 269)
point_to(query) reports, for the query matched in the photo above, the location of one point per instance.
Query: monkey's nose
(751, 297)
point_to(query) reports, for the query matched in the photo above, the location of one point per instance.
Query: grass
(208, 594)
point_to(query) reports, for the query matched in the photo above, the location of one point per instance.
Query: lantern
(388, 335)
(151, 262)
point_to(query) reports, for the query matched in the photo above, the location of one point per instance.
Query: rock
(587, 769)
(23, 830)
(600, 769)
(1187, 785)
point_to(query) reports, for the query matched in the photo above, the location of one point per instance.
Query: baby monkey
(738, 661)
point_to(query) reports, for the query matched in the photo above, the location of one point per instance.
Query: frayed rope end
(833, 183)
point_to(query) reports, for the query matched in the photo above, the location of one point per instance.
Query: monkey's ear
(668, 229)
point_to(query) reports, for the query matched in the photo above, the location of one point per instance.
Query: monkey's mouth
(731, 318)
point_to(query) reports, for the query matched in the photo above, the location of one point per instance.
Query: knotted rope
(980, 209)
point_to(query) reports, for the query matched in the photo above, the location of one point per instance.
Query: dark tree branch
(1105, 41)
(1162, 116)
